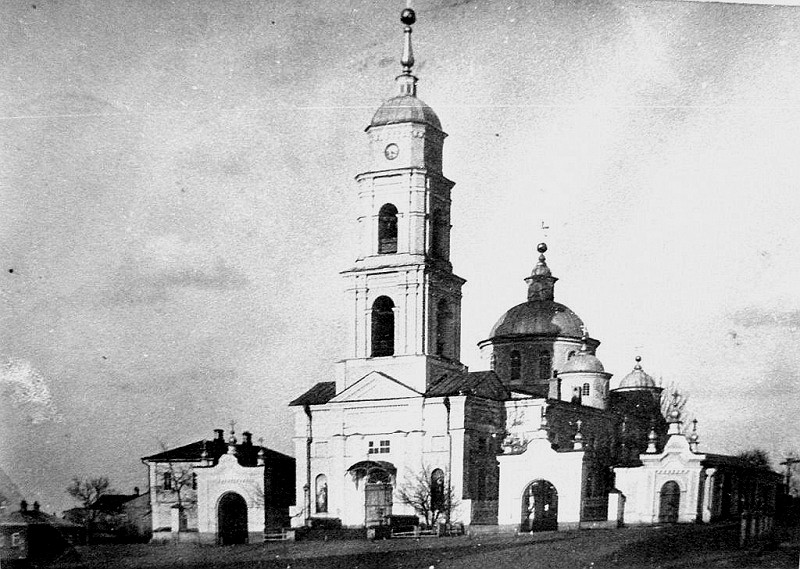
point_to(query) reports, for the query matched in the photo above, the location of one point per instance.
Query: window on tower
(439, 229)
(516, 365)
(444, 329)
(387, 229)
(545, 365)
(382, 327)
(586, 389)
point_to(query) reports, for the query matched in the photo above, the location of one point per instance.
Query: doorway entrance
(377, 497)
(670, 503)
(231, 519)
(539, 507)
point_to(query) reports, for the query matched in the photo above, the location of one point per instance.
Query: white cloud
(27, 390)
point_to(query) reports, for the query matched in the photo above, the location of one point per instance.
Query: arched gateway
(231, 519)
(670, 503)
(539, 507)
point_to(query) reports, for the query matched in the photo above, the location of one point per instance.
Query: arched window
(438, 235)
(437, 490)
(545, 365)
(586, 389)
(444, 327)
(382, 327)
(387, 229)
(321, 494)
(516, 365)
(569, 355)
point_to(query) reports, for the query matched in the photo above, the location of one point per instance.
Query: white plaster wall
(642, 485)
(229, 476)
(419, 438)
(564, 470)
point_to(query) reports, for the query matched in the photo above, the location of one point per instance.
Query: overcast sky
(177, 198)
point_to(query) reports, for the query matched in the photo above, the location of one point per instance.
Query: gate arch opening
(539, 507)
(670, 501)
(231, 519)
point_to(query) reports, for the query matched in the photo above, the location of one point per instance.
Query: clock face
(391, 151)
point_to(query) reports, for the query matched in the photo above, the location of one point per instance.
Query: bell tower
(405, 318)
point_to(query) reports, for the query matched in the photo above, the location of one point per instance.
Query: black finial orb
(542, 248)
(638, 359)
(408, 17)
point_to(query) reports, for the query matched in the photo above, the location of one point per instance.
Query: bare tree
(180, 480)
(429, 493)
(87, 491)
(755, 457)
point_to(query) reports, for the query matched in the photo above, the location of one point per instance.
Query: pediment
(376, 386)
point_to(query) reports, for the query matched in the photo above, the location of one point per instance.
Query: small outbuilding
(32, 535)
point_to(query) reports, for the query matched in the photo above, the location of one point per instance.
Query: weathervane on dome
(407, 81)
(408, 17)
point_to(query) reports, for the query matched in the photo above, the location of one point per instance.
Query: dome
(542, 318)
(584, 362)
(405, 108)
(637, 378)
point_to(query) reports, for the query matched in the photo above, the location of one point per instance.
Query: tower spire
(541, 282)
(407, 81)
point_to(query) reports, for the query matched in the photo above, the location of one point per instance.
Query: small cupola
(637, 378)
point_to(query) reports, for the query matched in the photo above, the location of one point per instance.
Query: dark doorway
(232, 519)
(377, 497)
(670, 503)
(539, 507)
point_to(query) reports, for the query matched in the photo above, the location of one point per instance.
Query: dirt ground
(675, 547)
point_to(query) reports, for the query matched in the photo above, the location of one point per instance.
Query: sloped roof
(113, 502)
(320, 394)
(31, 517)
(737, 462)
(247, 455)
(484, 384)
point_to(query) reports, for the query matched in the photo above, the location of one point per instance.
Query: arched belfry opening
(444, 329)
(382, 327)
(387, 229)
(231, 519)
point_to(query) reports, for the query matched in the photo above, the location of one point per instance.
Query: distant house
(122, 517)
(220, 491)
(32, 535)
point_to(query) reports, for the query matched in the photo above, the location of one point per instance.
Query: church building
(538, 441)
